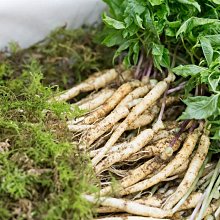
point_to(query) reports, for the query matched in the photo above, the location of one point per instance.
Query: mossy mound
(42, 173)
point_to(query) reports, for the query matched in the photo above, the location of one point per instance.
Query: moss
(42, 173)
(66, 56)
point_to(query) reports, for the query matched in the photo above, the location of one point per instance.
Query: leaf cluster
(182, 36)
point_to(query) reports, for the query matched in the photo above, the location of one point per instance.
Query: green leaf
(217, 2)
(112, 22)
(127, 58)
(115, 7)
(123, 47)
(139, 21)
(193, 22)
(191, 2)
(214, 39)
(156, 2)
(191, 84)
(217, 136)
(171, 28)
(216, 131)
(112, 39)
(188, 70)
(214, 80)
(130, 31)
(160, 56)
(174, 24)
(215, 63)
(165, 62)
(207, 49)
(136, 50)
(134, 7)
(215, 144)
(128, 21)
(200, 107)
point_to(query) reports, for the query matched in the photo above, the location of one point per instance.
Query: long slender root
(130, 207)
(105, 125)
(97, 100)
(141, 172)
(115, 148)
(94, 82)
(94, 95)
(179, 171)
(156, 201)
(180, 158)
(191, 173)
(117, 96)
(158, 148)
(135, 175)
(79, 128)
(136, 93)
(147, 101)
(131, 218)
(140, 141)
(159, 136)
(144, 170)
(133, 137)
(144, 119)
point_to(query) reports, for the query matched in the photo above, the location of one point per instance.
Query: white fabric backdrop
(28, 21)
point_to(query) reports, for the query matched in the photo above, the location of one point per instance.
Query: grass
(42, 172)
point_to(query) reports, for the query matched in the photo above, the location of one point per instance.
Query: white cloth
(28, 21)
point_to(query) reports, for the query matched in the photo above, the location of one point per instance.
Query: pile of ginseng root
(150, 165)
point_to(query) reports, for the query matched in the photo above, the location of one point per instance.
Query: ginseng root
(140, 141)
(97, 100)
(135, 175)
(121, 111)
(147, 101)
(131, 218)
(130, 207)
(179, 159)
(117, 96)
(94, 82)
(191, 173)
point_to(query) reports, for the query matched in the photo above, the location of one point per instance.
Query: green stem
(189, 52)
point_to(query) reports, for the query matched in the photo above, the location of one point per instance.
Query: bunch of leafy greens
(39, 164)
(182, 36)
